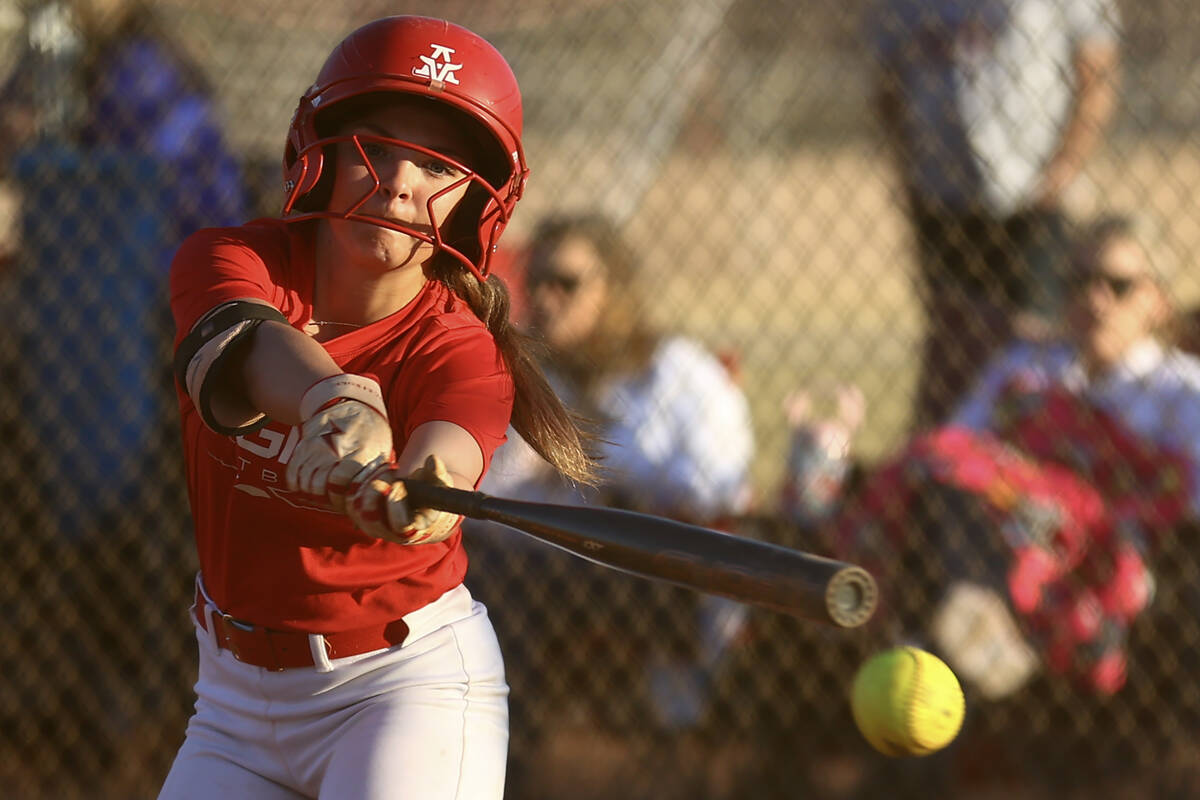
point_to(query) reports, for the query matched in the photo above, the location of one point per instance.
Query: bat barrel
(747, 570)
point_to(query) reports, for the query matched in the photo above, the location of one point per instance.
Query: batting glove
(344, 435)
(379, 507)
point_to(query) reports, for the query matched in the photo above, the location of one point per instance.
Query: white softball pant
(425, 720)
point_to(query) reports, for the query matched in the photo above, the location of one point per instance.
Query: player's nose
(399, 180)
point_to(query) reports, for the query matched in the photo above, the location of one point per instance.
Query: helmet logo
(438, 67)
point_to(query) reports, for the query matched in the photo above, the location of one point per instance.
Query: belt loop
(206, 609)
(221, 626)
(212, 621)
(211, 618)
(320, 655)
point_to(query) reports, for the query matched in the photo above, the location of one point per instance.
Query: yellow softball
(907, 702)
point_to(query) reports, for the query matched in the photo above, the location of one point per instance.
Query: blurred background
(739, 148)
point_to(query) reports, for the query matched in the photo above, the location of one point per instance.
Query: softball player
(321, 356)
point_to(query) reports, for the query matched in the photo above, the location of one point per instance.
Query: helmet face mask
(424, 58)
(441, 233)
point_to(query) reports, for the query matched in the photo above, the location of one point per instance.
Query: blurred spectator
(111, 142)
(991, 108)
(111, 152)
(1115, 354)
(106, 75)
(675, 439)
(674, 426)
(1077, 457)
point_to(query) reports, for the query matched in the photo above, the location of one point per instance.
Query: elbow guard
(202, 353)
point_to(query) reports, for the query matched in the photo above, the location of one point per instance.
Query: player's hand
(379, 506)
(345, 434)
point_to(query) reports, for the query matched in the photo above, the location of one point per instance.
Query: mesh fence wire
(738, 145)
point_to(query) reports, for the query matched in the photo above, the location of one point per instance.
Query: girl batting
(321, 357)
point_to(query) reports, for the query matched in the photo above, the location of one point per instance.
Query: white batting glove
(378, 506)
(344, 435)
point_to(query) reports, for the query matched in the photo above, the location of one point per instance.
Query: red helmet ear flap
(301, 167)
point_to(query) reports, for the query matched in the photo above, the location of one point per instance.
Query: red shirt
(286, 560)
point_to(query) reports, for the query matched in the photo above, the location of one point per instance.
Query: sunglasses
(567, 284)
(1119, 285)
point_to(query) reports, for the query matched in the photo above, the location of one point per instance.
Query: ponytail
(538, 414)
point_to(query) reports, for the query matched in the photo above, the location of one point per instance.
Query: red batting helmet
(421, 57)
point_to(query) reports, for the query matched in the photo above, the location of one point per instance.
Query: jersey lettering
(238, 467)
(274, 443)
(266, 481)
(269, 449)
(289, 446)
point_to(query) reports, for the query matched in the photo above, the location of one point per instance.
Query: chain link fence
(744, 148)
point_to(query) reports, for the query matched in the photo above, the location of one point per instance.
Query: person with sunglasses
(1115, 349)
(673, 437)
(322, 357)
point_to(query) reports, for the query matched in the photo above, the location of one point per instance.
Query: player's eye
(441, 169)
(374, 150)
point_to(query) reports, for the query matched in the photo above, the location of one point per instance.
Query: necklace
(319, 328)
(330, 322)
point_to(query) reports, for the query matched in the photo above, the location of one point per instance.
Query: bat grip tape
(442, 498)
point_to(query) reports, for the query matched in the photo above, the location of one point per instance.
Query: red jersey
(286, 560)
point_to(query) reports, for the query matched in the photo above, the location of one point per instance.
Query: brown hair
(1097, 234)
(623, 340)
(538, 414)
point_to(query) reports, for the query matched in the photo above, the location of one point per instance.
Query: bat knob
(850, 597)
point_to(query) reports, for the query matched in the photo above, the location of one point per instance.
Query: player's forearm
(278, 365)
(267, 372)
